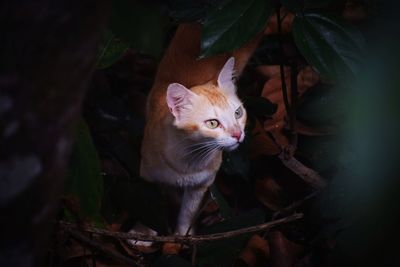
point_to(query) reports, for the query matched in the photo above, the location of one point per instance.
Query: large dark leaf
(110, 51)
(333, 47)
(84, 182)
(323, 106)
(140, 23)
(317, 3)
(183, 10)
(293, 5)
(231, 24)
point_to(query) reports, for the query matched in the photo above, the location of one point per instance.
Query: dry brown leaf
(272, 90)
(171, 248)
(286, 24)
(256, 252)
(261, 143)
(284, 253)
(269, 71)
(354, 11)
(211, 207)
(269, 193)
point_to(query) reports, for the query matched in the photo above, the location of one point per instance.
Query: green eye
(239, 113)
(212, 124)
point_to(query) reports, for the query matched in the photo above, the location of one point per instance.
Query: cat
(193, 114)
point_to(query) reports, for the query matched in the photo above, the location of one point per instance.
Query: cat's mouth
(231, 147)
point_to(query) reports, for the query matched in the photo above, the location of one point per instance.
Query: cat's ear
(179, 99)
(225, 77)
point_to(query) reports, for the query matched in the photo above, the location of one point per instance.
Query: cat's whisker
(197, 147)
(207, 153)
(180, 141)
(200, 151)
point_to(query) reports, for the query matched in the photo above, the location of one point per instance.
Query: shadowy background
(329, 149)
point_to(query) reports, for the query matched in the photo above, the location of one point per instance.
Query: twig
(95, 245)
(308, 175)
(292, 207)
(186, 239)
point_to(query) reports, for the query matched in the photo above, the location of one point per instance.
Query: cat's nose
(237, 134)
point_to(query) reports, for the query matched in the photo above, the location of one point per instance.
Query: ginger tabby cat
(193, 114)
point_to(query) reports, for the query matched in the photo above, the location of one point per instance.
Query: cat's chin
(231, 147)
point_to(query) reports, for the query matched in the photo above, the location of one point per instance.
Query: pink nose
(237, 135)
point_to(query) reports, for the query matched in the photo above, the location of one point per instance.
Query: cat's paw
(141, 229)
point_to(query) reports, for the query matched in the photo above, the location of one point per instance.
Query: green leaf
(84, 181)
(141, 24)
(183, 10)
(223, 252)
(231, 24)
(110, 51)
(324, 106)
(333, 47)
(311, 4)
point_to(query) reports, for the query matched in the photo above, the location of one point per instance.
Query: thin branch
(92, 244)
(186, 239)
(295, 205)
(308, 175)
(291, 208)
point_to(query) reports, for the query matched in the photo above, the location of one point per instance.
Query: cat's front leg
(191, 200)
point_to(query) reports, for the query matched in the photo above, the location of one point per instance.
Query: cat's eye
(239, 113)
(212, 124)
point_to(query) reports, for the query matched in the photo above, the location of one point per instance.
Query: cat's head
(211, 112)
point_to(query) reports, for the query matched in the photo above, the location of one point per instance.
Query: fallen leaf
(171, 248)
(256, 252)
(286, 23)
(269, 193)
(284, 253)
(306, 78)
(262, 144)
(355, 11)
(269, 71)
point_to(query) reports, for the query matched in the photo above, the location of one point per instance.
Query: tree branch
(308, 175)
(185, 239)
(97, 246)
